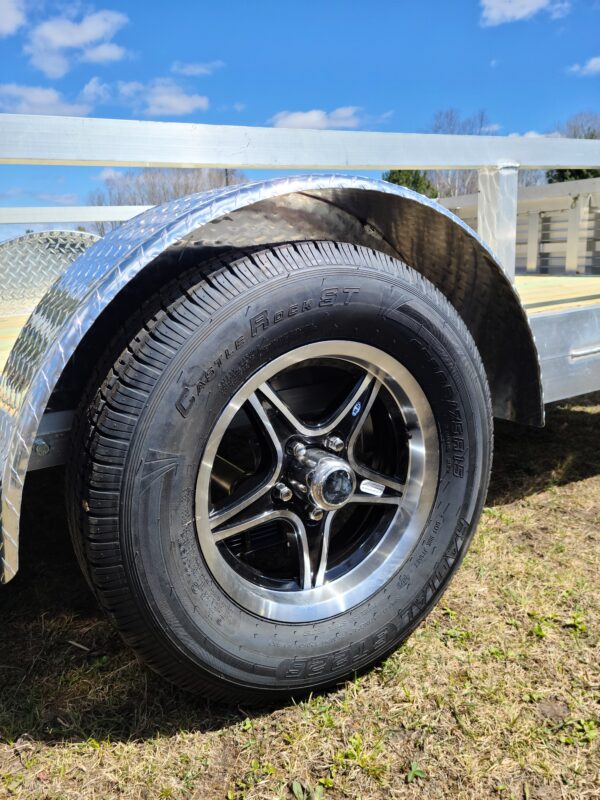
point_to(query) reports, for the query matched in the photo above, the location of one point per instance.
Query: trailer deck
(542, 293)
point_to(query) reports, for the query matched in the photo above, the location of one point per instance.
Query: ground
(495, 695)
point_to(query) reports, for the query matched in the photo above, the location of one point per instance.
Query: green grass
(496, 695)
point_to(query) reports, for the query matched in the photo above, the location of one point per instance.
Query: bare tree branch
(150, 187)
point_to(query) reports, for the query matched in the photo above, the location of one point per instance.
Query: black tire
(140, 440)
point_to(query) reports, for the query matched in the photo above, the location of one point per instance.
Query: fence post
(497, 213)
(573, 227)
(533, 240)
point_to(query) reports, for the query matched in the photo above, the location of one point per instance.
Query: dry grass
(496, 695)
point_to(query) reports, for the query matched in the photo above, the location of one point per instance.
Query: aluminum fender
(391, 218)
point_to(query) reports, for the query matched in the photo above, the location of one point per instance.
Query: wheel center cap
(329, 479)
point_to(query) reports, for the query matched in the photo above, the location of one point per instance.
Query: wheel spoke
(255, 517)
(238, 505)
(353, 413)
(361, 470)
(348, 418)
(324, 553)
(252, 520)
(303, 555)
(263, 418)
(284, 410)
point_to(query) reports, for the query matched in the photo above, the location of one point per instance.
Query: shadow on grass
(531, 460)
(66, 675)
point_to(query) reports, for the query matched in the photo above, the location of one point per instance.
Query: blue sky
(379, 65)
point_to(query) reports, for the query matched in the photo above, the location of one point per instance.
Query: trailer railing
(558, 226)
(71, 141)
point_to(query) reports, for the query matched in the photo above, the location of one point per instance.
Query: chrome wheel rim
(317, 492)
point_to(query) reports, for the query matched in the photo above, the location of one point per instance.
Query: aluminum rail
(83, 141)
(40, 214)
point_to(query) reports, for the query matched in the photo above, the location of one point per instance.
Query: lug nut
(296, 449)
(315, 514)
(334, 443)
(282, 492)
(299, 487)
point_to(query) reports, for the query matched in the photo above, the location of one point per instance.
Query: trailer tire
(280, 468)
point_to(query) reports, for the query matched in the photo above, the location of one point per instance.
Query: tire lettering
(259, 322)
(185, 402)
(299, 668)
(192, 387)
(328, 297)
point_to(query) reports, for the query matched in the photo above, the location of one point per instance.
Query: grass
(496, 695)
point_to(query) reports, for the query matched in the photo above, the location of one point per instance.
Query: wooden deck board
(10, 327)
(538, 292)
(557, 292)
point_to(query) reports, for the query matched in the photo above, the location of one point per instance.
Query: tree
(150, 187)
(449, 183)
(585, 125)
(411, 178)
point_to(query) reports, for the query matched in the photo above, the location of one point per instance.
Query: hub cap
(316, 481)
(328, 480)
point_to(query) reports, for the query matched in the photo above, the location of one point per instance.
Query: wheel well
(436, 245)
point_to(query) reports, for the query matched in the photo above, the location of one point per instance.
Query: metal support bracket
(497, 213)
(51, 445)
(573, 228)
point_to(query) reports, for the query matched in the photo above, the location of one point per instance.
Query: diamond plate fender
(359, 210)
(29, 265)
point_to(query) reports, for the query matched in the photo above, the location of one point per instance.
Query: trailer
(274, 401)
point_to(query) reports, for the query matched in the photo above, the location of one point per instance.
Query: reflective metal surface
(30, 264)
(41, 139)
(569, 351)
(497, 213)
(381, 215)
(319, 592)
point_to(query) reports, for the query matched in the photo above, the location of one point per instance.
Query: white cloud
(51, 42)
(129, 90)
(497, 12)
(194, 70)
(60, 199)
(17, 99)
(344, 117)
(591, 67)
(109, 174)
(537, 135)
(12, 16)
(104, 53)
(96, 92)
(493, 127)
(15, 191)
(61, 32)
(162, 97)
(239, 107)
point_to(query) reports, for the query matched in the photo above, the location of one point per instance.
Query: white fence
(73, 141)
